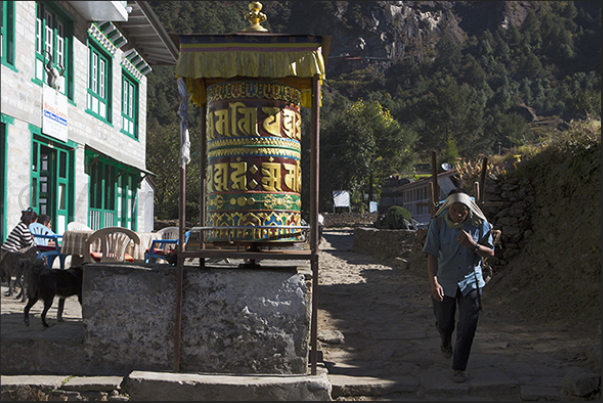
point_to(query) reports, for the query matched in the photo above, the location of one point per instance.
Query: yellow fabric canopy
(290, 59)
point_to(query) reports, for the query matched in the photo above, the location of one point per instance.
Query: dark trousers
(468, 306)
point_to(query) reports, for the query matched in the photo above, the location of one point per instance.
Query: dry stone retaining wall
(508, 208)
(385, 244)
(349, 219)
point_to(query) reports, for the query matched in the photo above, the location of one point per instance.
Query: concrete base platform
(160, 386)
(157, 386)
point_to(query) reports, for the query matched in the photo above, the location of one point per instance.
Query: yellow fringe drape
(297, 69)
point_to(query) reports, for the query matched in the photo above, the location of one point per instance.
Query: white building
(73, 146)
(414, 196)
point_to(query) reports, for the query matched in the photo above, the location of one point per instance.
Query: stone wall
(507, 208)
(349, 219)
(233, 321)
(386, 244)
(508, 204)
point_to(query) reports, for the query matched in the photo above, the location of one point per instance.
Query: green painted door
(45, 164)
(63, 200)
(51, 182)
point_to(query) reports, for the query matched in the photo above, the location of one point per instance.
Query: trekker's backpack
(487, 271)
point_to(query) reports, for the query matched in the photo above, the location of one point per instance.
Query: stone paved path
(378, 340)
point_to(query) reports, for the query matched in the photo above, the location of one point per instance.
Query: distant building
(73, 113)
(414, 196)
(355, 63)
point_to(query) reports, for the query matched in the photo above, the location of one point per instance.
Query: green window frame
(129, 106)
(127, 199)
(98, 100)
(52, 179)
(53, 44)
(5, 121)
(7, 33)
(113, 190)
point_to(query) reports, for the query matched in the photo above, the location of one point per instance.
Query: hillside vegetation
(557, 276)
(463, 78)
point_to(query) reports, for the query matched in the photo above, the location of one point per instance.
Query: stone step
(156, 386)
(348, 386)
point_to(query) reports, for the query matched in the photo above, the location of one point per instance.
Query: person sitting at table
(20, 239)
(45, 220)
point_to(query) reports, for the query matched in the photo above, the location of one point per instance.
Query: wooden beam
(314, 211)
(203, 168)
(180, 271)
(436, 188)
(482, 182)
(432, 204)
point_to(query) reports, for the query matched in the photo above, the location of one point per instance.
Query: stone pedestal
(234, 321)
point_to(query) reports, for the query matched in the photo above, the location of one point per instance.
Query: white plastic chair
(43, 236)
(78, 226)
(160, 247)
(114, 242)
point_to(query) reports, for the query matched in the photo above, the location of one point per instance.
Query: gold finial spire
(255, 17)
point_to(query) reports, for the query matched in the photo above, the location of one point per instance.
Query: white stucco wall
(21, 99)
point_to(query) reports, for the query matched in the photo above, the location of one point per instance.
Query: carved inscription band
(254, 162)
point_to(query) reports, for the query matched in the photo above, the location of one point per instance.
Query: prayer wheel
(254, 163)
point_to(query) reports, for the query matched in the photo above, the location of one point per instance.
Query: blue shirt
(457, 264)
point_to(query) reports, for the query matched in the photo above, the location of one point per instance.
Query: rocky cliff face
(381, 32)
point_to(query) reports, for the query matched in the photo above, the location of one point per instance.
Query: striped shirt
(19, 238)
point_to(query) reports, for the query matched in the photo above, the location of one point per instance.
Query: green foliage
(361, 146)
(162, 159)
(203, 17)
(510, 129)
(451, 154)
(445, 91)
(395, 216)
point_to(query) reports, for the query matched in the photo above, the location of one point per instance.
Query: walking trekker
(458, 237)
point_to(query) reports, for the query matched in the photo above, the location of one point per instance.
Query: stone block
(28, 388)
(233, 321)
(150, 386)
(93, 384)
(580, 383)
(350, 386)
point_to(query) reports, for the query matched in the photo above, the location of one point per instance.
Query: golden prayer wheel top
(255, 17)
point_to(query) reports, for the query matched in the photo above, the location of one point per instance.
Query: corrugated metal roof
(147, 34)
(424, 181)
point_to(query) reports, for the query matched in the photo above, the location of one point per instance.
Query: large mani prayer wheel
(254, 163)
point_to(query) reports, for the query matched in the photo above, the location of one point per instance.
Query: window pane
(94, 72)
(34, 192)
(63, 165)
(62, 198)
(60, 45)
(131, 104)
(109, 187)
(34, 168)
(103, 66)
(44, 160)
(125, 99)
(39, 30)
(95, 187)
(48, 35)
